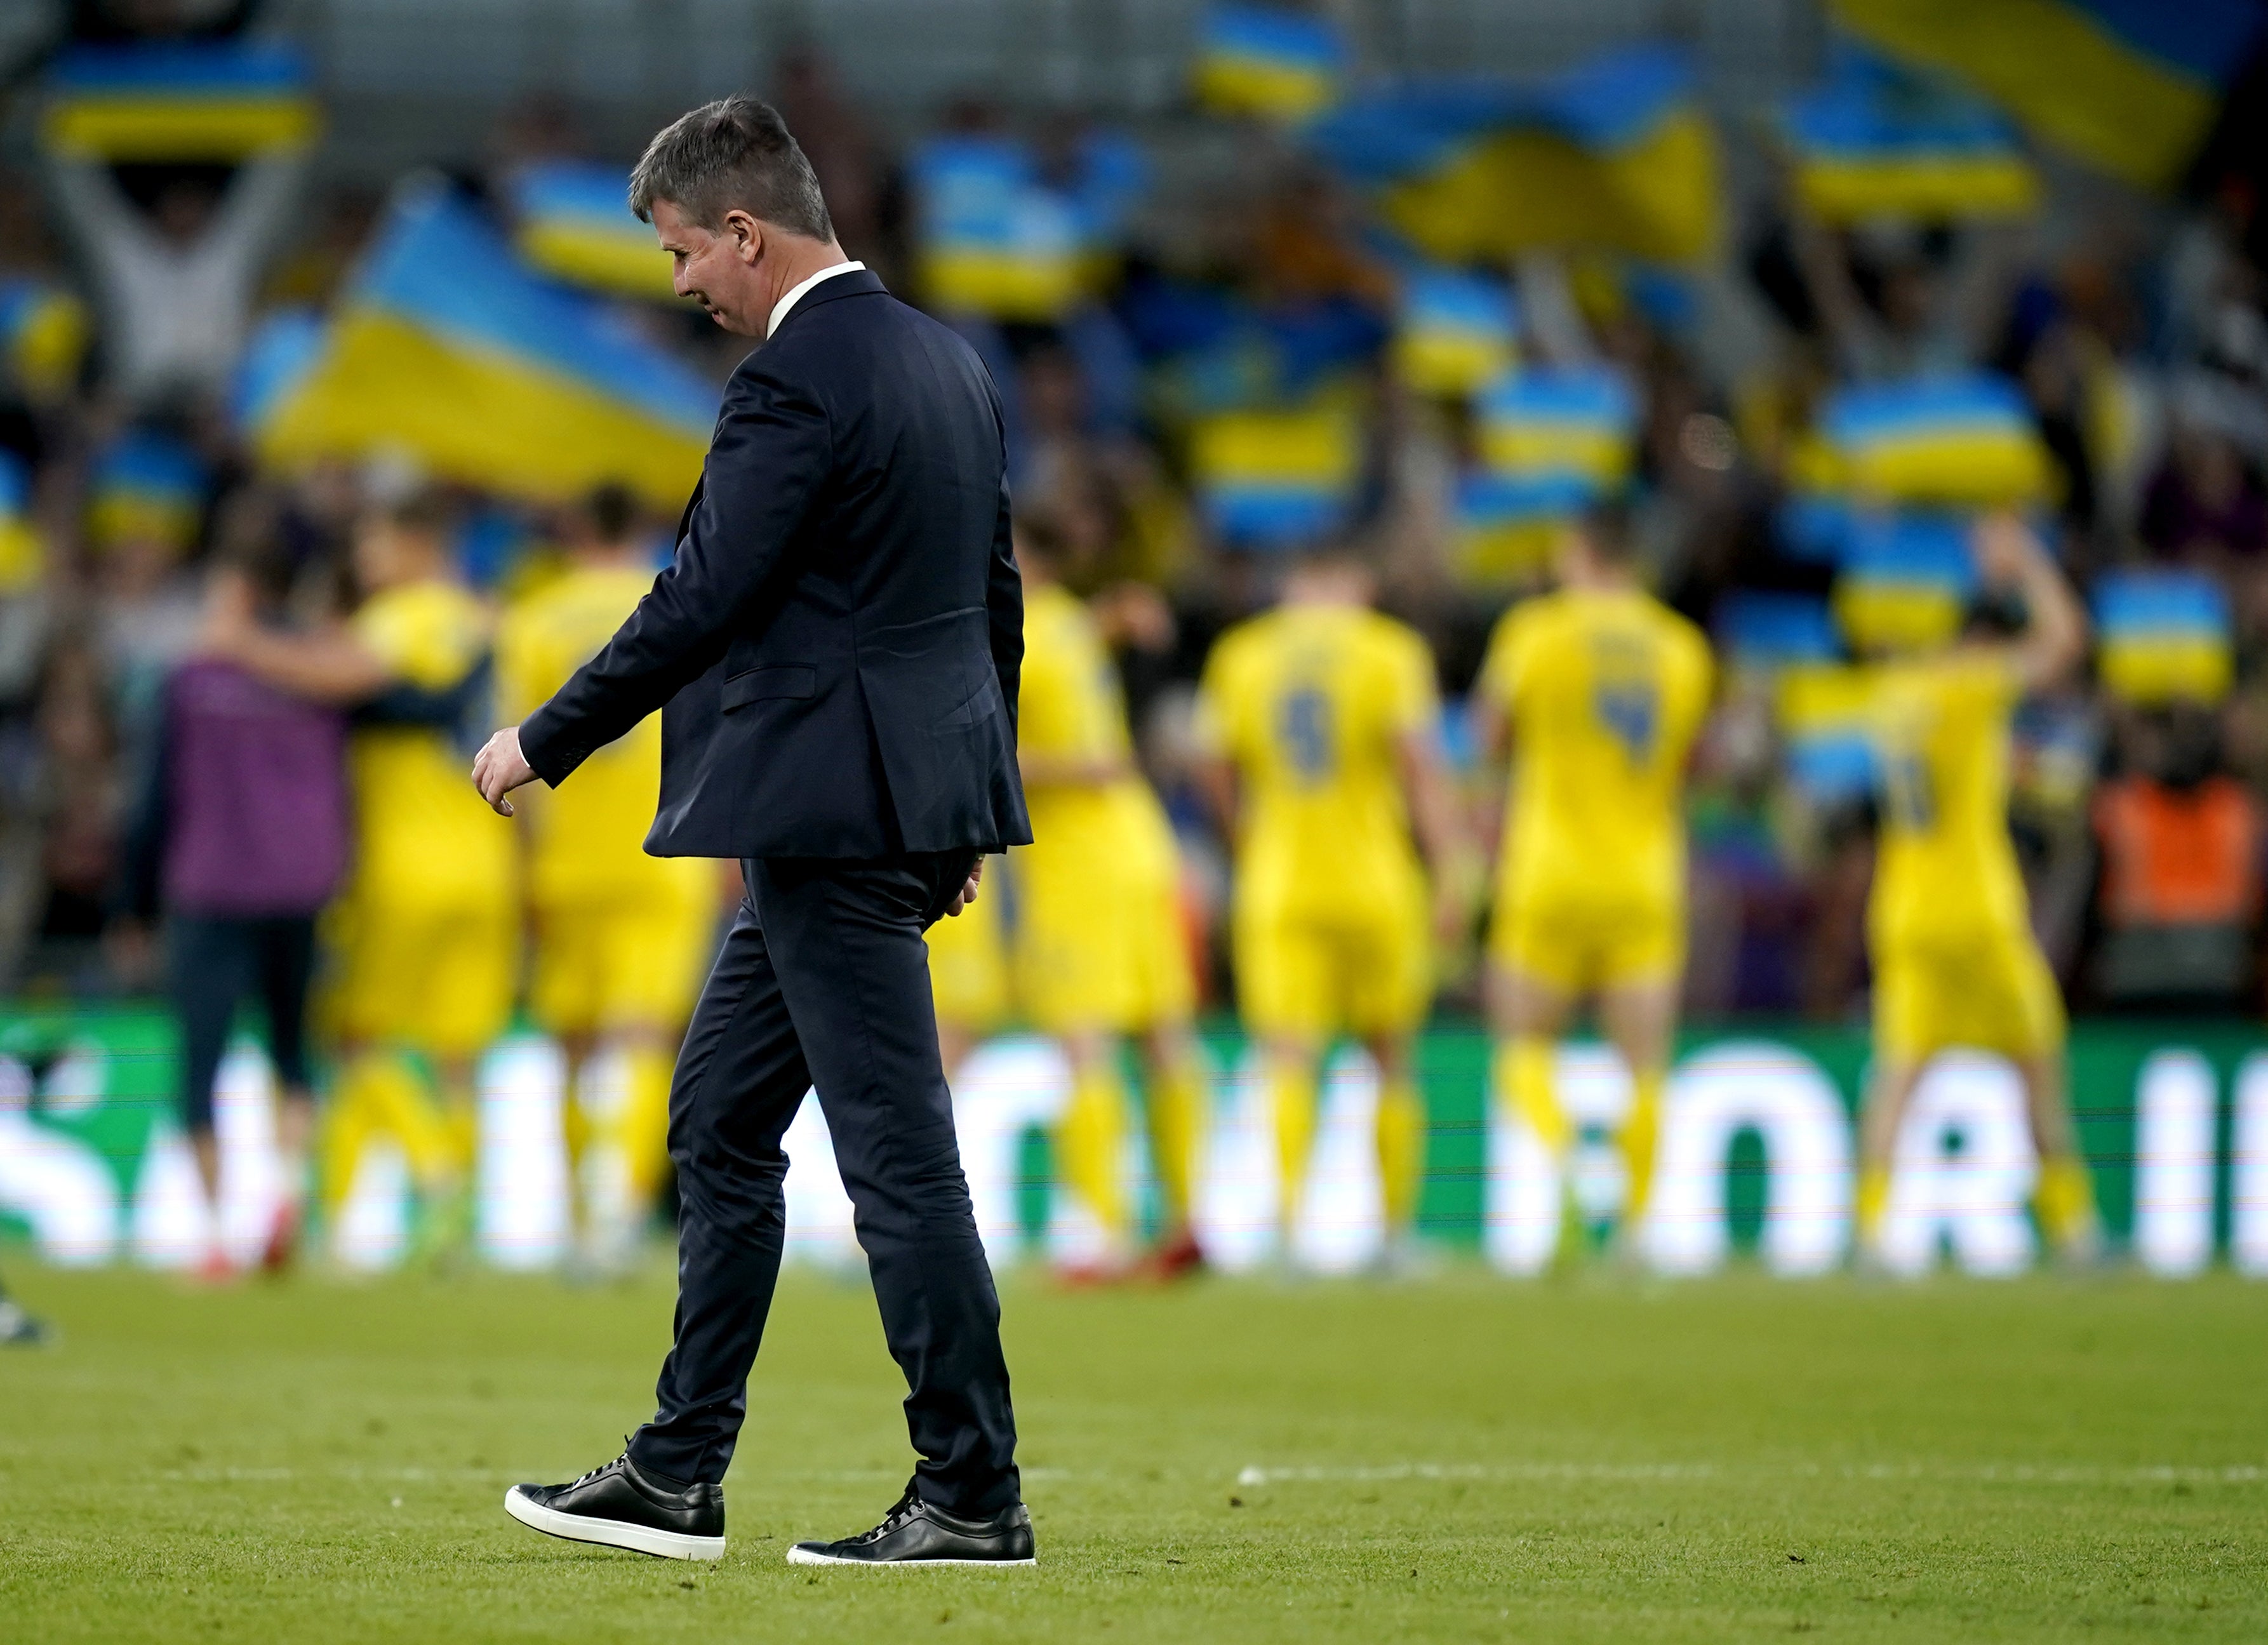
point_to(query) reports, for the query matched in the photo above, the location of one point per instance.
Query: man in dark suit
(835, 648)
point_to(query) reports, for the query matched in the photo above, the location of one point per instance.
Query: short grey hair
(734, 154)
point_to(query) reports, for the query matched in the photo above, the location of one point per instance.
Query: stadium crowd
(1269, 389)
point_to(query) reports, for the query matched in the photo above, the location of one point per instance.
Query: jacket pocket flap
(755, 685)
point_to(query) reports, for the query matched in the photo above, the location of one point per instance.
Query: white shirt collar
(795, 292)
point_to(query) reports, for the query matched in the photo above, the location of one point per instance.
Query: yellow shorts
(436, 976)
(1096, 949)
(969, 961)
(1576, 944)
(1994, 993)
(628, 961)
(1359, 970)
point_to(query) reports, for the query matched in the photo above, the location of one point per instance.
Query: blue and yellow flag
(995, 240)
(2163, 636)
(1614, 155)
(22, 558)
(1277, 479)
(2131, 86)
(44, 337)
(1269, 63)
(1905, 583)
(1454, 332)
(146, 487)
(1880, 140)
(1963, 441)
(1769, 629)
(1506, 529)
(1825, 713)
(448, 350)
(180, 101)
(572, 220)
(1578, 424)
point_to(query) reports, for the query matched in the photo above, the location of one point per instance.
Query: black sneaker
(915, 1533)
(18, 1329)
(622, 1508)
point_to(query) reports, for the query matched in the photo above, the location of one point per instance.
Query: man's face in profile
(716, 268)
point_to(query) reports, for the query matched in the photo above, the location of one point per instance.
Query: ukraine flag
(2131, 86)
(146, 486)
(572, 220)
(1455, 331)
(1277, 479)
(1506, 528)
(1269, 62)
(1956, 441)
(447, 349)
(1876, 140)
(2164, 636)
(1613, 155)
(1768, 630)
(994, 240)
(1576, 424)
(44, 337)
(21, 557)
(1905, 583)
(180, 101)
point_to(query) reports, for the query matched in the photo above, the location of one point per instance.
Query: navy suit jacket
(839, 637)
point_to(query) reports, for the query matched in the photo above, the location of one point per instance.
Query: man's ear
(747, 236)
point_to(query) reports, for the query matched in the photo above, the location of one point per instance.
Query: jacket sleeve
(1003, 606)
(770, 458)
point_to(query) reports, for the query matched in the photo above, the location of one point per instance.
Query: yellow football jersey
(1098, 941)
(1946, 867)
(1311, 704)
(586, 841)
(1604, 693)
(423, 833)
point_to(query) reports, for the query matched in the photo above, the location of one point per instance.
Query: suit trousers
(823, 983)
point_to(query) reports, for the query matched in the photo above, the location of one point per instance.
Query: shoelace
(603, 1466)
(897, 1517)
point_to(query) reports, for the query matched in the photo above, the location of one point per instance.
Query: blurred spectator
(239, 838)
(2180, 879)
(175, 282)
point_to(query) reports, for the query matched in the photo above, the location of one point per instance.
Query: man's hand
(500, 767)
(967, 895)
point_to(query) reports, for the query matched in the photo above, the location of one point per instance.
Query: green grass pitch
(1467, 1459)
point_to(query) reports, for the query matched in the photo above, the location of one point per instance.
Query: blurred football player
(968, 975)
(622, 939)
(1320, 724)
(426, 930)
(1949, 928)
(1599, 689)
(1098, 948)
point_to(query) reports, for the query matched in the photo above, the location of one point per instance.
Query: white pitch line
(1993, 1473)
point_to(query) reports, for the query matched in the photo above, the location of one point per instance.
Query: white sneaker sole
(801, 1555)
(611, 1533)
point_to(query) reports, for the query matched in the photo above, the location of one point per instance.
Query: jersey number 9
(1303, 724)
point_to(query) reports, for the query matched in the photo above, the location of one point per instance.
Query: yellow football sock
(1177, 1117)
(576, 1128)
(402, 1107)
(1524, 1079)
(1400, 1150)
(1639, 1139)
(1091, 1141)
(348, 1123)
(2064, 1198)
(1292, 1086)
(1874, 1202)
(644, 1125)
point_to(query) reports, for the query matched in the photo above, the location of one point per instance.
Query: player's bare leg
(1889, 1090)
(1090, 1148)
(1401, 1143)
(1640, 1020)
(2065, 1199)
(1171, 1063)
(1294, 1063)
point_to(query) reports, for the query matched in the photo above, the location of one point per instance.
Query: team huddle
(1354, 865)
